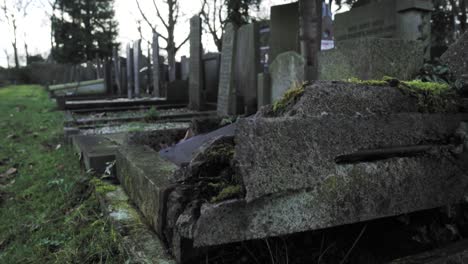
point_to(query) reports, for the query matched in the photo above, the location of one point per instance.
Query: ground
(48, 211)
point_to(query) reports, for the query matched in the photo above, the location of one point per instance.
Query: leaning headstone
(130, 71)
(196, 68)
(286, 70)
(156, 66)
(371, 58)
(401, 19)
(247, 67)
(284, 32)
(136, 67)
(227, 93)
(456, 57)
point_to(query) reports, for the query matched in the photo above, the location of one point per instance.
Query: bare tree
(13, 11)
(214, 17)
(169, 24)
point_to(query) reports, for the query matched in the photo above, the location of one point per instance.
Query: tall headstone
(117, 69)
(284, 32)
(456, 57)
(211, 62)
(136, 66)
(247, 67)
(227, 92)
(108, 83)
(156, 66)
(263, 90)
(196, 67)
(130, 71)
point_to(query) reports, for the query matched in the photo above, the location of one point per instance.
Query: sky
(34, 28)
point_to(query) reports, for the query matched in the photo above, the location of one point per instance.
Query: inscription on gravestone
(226, 93)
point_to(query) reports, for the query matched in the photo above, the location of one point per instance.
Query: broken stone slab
(353, 193)
(278, 155)
(96, 151)
(455, 57)
(183, 152)
(145, 177)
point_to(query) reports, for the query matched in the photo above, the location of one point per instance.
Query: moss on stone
(291, 95)
(102, 187)
(228, 192)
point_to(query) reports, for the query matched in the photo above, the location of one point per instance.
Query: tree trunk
(463, 16)
(14, 44)
(310, 35)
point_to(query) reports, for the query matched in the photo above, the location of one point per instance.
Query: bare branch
(144, 17)
(159, 14)
(183, 43)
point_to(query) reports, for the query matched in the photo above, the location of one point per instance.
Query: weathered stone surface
(130, 71)
(353, 193)
(96, 151)
(227, 93)
(211, 67)
(145, 177)
(178, 91)
(155, 139)
(291, 154)
(455, 57)
(371, 58)
(196, 69)
(137, 57)
(286, 70)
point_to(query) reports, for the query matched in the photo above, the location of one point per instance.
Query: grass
(48, 211)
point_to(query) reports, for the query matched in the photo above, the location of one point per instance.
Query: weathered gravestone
(136, 66)
(263, 89)
(401, 19)
(196, 67)
(130, 71)
(456, 57)
(371, 58)
(286, 70)
(284, 32)
(211, 62)
(117, 69)
(156, 66)
(227, 92)
(247, 66)
(184, 68)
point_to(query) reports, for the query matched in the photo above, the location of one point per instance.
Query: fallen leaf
(58, 147)
(12, 136)
(9, 172)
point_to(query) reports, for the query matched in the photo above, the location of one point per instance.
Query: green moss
(102, 187)
(368, 82)
(291, 95)
(228, 192)
(432, 87)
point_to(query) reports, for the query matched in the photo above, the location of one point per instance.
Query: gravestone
(247, 67)
(130, 71)
(401, 19)
(196, 67)
(227, 92)
(211, 62)
(456, 57)
(156, 66)
(263, 89)
(286, 70)
(371, 58)
(184, 67)
(136, 66)
(116, 62)
(284, 32)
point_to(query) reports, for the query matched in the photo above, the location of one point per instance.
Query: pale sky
(35, 27)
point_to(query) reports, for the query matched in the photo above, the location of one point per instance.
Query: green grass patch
(48, 211)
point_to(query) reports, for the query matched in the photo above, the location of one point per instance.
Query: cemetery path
(48, 212)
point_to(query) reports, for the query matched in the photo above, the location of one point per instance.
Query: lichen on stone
(228, 192)
(102, 187)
